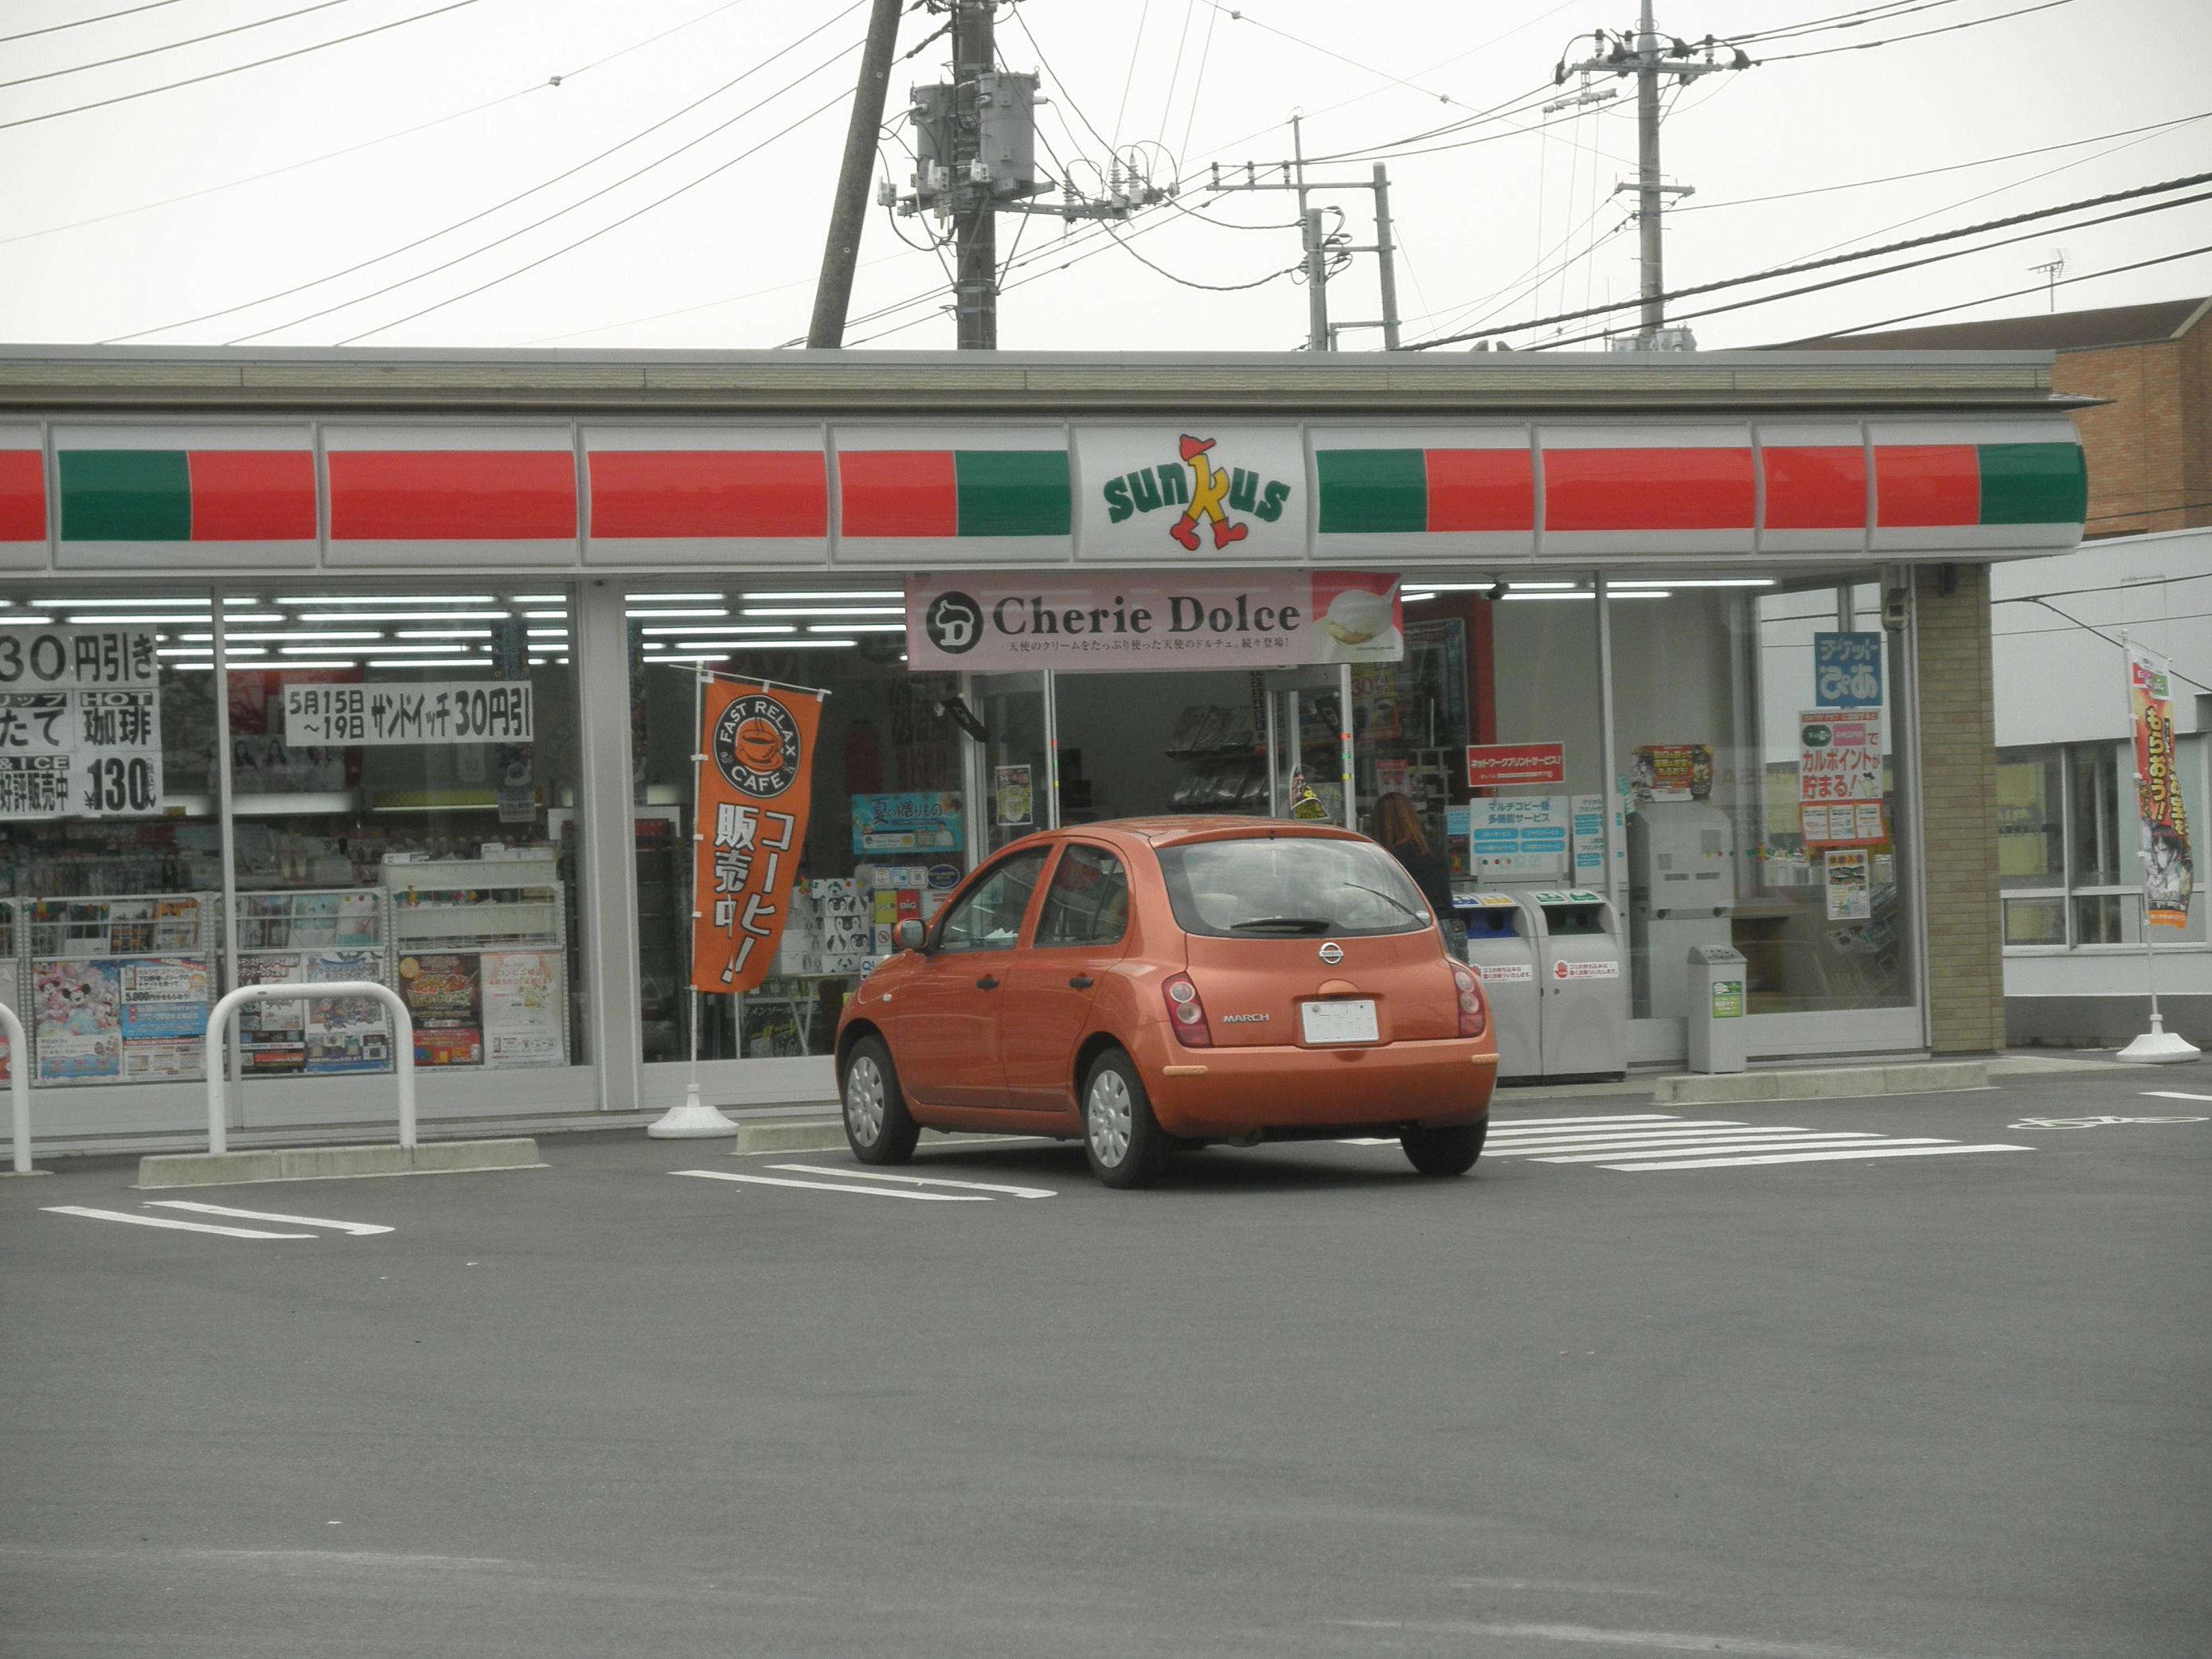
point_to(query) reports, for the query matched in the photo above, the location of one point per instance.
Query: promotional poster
(756, 786)
(2162, 822)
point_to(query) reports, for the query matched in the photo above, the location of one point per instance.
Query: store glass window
(1413, 719)
(2082, 886)
(404, 767)
(110, 843)
(887, 837)
(1755, 725)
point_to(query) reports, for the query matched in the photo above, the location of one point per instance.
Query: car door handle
(1081, 983)
(988, 982)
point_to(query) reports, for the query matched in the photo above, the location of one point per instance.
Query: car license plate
(1350, 1020)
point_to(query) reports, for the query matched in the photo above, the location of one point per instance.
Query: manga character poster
(2169, 872)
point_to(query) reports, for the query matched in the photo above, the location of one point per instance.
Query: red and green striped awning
(452, 495)
(742, 495)
(22, 496)
(941, 493)
(187, 495)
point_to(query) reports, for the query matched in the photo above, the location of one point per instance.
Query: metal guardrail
(218, 1031)
(19, 1086)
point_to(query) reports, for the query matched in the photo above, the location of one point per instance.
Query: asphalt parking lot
(1650, 1381)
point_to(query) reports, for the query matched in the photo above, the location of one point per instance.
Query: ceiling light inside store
(206, 652)
(850, 594)
(1720, 582)
(441, 633)
(443, 649)
(320, 662)
(308, 633)
(138, 604)
(537, 599)
(387, 599)
(826, 610)
(717, 611)
(546, 615)
(430, 662)
(547, 633)
(861, 627)
(726, 628)
(810, 644)
(407, 615)
(666, 599)
(136, 616)
(1425, 593)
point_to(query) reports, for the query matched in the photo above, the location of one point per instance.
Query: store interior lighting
(824, 610)
(428, 662)
(387, 599)
(717, 611)
(697, 628)
(666, 599)
(405, 616)
(850, 595)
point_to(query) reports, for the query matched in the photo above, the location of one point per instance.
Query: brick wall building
(2149, 447)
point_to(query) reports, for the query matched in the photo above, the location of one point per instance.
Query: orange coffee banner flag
(755, 786)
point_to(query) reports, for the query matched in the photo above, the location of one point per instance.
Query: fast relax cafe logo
(1207, 495)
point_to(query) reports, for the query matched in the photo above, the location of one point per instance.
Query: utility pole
(1318, 250)
(975, 222)
(1650, 60)
(833, 289)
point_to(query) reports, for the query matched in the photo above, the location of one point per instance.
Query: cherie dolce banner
(1152, 619)
(2169, 875)
(755, 783)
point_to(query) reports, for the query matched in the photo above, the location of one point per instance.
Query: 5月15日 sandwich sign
(1133, 620)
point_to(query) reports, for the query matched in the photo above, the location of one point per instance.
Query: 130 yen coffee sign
(80, 723)
(449, 711)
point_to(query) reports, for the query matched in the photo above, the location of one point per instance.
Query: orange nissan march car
(1154, 983)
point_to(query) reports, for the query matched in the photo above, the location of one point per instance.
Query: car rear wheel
(1120, 1137)
(878, 1126)
(1445, 1151)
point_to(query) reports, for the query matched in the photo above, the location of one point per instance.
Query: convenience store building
(459, 599)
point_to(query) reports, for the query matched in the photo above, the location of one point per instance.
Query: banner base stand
(694, 1120)
(2160, 1047)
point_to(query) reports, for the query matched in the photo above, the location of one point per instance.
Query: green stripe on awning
(2034, 483)
(1014, 492)
(1376, 491)
(126, 495)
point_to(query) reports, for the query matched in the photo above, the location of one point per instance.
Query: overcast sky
(92, 247)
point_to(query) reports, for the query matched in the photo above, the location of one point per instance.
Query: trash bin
(1501, 948)
(1713, 982)
(1579, 970)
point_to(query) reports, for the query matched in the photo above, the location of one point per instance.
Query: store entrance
(1204, 741)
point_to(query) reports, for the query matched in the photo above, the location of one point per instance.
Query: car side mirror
(909, 935)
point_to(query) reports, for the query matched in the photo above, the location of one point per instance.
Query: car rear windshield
(1290, 886)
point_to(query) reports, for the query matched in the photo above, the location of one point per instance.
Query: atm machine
(1681, 894)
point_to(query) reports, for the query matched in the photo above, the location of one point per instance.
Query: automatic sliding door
(1310, 744)
(1018, 789)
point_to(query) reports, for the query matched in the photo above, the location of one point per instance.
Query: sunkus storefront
(334, 665)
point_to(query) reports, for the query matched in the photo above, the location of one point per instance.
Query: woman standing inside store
(1397, 827)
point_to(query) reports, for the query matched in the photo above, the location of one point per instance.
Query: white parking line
(2172, 1094)
(1516, 1136)
(917, 1181)
(834, 1187)
(164, 1221)
(1696, 1147)
(358, 1228)
(1893, 1150)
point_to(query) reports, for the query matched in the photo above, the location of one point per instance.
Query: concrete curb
(1823, 1083)
(791, 1134)
(336, 1163)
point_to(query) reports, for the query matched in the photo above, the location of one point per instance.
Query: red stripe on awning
(22, 496)
(452, 495)
(733, 493)
(1480, 489)
(1633, 489)
(1922, 485)
(1816, 489)
(253, 494)
(898, 492)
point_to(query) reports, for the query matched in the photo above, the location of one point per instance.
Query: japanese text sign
(2169, 873)
(1847, 671)
(80, 723)
(1491, 763)
(1840, 778)
(375, 715)
(755, 783)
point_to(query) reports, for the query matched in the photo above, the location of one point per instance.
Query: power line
(173, 45)
(390, 254)
(1211, 288)
(1954, 167)
(105, 16)
(831, 102)
(1777, 271)
(2109, 640)
(2112, 587)
(1948, 28)
(548, 84)
(1842, 20)
(1329, 52)
(236, 69)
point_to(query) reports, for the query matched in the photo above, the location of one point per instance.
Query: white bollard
(19, 1087)
(219, 1021)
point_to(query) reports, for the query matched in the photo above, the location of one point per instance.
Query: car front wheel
(1120, 1137)
(878, 1126)
(1445, 1151)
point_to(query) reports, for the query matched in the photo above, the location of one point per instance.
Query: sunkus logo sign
(1152, 619)
(1219, 493)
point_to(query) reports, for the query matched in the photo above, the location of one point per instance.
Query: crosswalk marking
(1497, 1127)
(917, 1181)
(357, 1229)
(836, 1186)
(1693, 1147)
(167, 1221)
(1893, 1149)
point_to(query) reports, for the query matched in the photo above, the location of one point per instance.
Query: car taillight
(1186, 1013)
(1474, 1016)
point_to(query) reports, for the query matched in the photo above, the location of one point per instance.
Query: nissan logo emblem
(1331, 953)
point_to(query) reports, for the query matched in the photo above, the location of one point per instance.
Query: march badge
(756, 768)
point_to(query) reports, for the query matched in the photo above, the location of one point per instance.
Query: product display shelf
(116, 989)
(301, 936)
(478, 915)
(476, 904)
